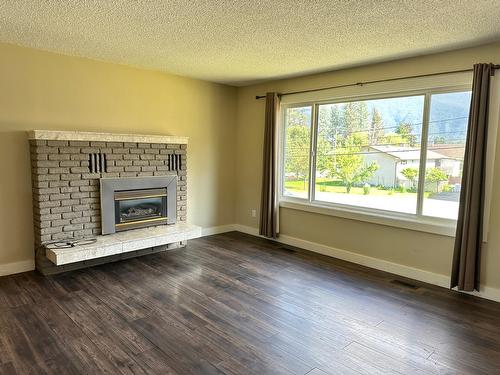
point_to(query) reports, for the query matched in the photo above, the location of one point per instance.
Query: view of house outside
(368, 153)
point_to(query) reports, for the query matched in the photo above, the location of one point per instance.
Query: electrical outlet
(254, 213)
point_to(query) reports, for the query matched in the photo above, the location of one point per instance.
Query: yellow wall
(419, 250)
(40, 90)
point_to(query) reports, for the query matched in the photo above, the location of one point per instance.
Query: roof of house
(407, 153)
(453, 151)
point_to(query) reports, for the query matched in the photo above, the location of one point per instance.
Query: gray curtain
(469, 235)
(269, 210)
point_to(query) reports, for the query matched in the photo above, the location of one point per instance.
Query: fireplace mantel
(56, 135)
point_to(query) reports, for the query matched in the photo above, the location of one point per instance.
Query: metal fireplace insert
(137, 202)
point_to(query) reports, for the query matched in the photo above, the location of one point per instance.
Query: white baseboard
(379, 264)
(487, 292)
(216, 230)
(17, 267)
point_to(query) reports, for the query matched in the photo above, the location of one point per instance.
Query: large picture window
(401, 154)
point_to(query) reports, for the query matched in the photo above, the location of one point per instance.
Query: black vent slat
(98, 163)
(99, 158)
(104, 163)
(90, 163)
(174, 162)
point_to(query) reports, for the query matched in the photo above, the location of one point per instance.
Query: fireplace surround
(67, 169)
(138, 202)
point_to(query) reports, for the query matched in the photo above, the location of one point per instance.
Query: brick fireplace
(66, 171)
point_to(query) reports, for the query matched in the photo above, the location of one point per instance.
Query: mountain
(447, 122)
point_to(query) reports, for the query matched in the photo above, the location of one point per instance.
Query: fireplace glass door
(140, 208)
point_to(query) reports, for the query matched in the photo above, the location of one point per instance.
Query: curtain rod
(375, 81)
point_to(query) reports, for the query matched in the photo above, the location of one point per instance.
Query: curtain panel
(269, 208)
(468, 240)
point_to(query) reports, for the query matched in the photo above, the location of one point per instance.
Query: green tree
(411, 175)
(435, 175)
(297, 151)
(351, 167)
(439, 140)
(356, 117)
(331, 124)
(376, 128)
(405, 130)
(393, 139)
(298, 116)
(325, 158)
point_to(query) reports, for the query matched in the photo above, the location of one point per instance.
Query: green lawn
(335, 186)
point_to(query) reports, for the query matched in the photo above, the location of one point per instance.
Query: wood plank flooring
(236, 304)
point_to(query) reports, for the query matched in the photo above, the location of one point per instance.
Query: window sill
(425, 224)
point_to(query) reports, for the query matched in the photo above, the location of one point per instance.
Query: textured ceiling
(242, 41)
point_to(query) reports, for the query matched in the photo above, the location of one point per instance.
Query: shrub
(447, 188)
(383, 187)
(366, 189)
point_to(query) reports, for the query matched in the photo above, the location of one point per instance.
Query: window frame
(281, 145)
(417, 221)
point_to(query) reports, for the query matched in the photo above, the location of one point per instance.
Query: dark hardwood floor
(236, 304)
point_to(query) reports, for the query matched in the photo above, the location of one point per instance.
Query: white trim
(379, 264)
(404, 87)
(422, 164)
(17, 267)
(382, 88)
(492, 294)
(399, 220)
(55, 135)
(209, 231)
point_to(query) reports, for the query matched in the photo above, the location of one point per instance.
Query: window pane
(368, 153)
(445, 153)
(297, 151)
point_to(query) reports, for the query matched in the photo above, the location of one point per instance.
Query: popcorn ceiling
(239, 42)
